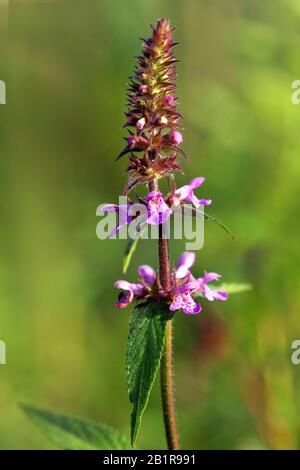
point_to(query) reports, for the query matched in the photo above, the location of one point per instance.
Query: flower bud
(175, 138)
(140, 124)
(163, 120)
(143, 89)
(137, 142)
(169, 100)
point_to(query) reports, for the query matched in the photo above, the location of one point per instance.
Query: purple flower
(185, 262)
(186, 194)
(187, 286)
(123, 217)
(184, 294)
(158, 209)
(184, 301)
(132, 291)
(207, 292)
(136, 291)
(147, 274)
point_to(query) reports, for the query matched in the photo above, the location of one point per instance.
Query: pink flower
(185, 262)
(187, 287)
(158, 209)
(123, 216)
(207, 292)
(184, 294)
(186, 194)
(136, 291)
(184, 301)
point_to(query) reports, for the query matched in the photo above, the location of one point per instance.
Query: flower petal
(158, 209)
(212, 294)
(125, 298)
(109, 208)
(204, 202)
(185, 262)
(147, 274)
(124, 285)
(185, 303)
(183, 193)
(136, 289)
(209, 277)
(196, 182)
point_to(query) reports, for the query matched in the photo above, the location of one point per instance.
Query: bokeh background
(66, 65)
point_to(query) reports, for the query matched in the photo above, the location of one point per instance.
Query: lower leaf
(71, 433)
(146, 340)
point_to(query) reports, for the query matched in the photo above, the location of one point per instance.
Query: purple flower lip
(184, 294)
(185, 303)
(158, 209)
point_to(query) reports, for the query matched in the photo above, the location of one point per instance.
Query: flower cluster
(185, 291)
(158, 208)
(152, 118)
(153, 124)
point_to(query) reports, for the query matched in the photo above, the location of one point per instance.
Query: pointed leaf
(131, 246)
(71, 433)
(146, 340)
(196, 213)
(233, 288)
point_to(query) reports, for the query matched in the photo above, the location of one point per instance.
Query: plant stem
(167, 365)
(167, 391)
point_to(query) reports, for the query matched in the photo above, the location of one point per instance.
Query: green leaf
(131, 247)
(146, 340)
(70, 433)
(220, 223)
(195, 212)
(233, 288)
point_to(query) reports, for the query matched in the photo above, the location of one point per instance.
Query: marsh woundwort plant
(153, 148)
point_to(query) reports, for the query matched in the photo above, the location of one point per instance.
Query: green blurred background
(66, 65)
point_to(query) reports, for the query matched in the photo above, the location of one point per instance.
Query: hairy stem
(167, 365)
(167, 391)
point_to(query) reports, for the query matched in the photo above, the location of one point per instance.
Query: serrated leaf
(233, 288)
(71, 433)
(146, 340)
